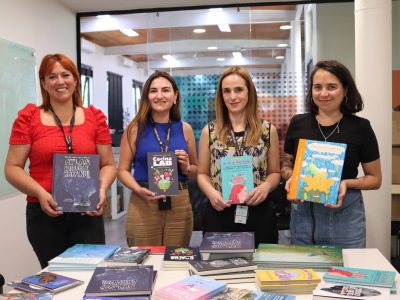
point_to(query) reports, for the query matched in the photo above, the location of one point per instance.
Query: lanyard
(162, 148)
(68, 139)
(239, 150)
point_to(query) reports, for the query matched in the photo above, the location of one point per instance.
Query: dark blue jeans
(50, 236)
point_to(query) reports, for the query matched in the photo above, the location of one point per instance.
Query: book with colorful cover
(51, 281)
(75, 183)
(232, 275)
(317, 171)
(237, 178)
(219, 266)
(368, 277)
(180, 255)
(281, 256)
(287, 276)
(127, 257)
(334, 291)
(121, 281)
(25, 287)
(26, 296)
(84, 254)
(227, 242)
(194, 288)
(239, 294)
(162, 170)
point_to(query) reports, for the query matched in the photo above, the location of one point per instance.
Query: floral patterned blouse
(259, 154)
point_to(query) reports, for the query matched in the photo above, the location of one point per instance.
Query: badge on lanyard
(241, 214)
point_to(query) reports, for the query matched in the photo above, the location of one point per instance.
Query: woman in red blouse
(59, 125)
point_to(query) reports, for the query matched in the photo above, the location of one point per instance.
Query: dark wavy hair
(353, 103)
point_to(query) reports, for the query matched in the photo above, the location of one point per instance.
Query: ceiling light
(279, 57)
(103, 16)
(168, 57)
(212, 48)
(224, 27)
(199, 30)
(282, 45)
(285, 27)
(129, 32)
(220, 59)
(237, 54)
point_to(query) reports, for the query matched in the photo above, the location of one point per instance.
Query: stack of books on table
(121, 281)
(126, 256)
(219, 245)
(340, 282)
(228, 270)
(82, 257)
(26, 296)
(244, 294)
(293, 281)
(280, 256)
(178, 258)
(194, 287)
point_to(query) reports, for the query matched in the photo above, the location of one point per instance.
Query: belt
(182, 185)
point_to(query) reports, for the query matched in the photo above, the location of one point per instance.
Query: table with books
(357, 258)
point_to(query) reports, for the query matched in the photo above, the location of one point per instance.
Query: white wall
(102, 64)
(396, 34)
(48, 27)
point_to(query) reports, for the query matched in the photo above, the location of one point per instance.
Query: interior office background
(50, 27)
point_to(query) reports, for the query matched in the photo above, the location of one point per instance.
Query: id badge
(241, 213)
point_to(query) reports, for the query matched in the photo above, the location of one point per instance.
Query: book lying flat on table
(51, 282)
(180, 256)
(26, 296)
(121, 281)
(194, 288)
(126, 256)
(317, 171)
(163, 173)
(237, 178)
(75, 183)
(335, 291)
(287, 276)
(219, 266)
(368, 277)
(153, 249)
(227, 242)
(244, 294)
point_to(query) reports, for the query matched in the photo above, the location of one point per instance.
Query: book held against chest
(162, 170)
(237, 178)
(317, 171)
(75, 183)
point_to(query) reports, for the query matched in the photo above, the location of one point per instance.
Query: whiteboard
(17, 88)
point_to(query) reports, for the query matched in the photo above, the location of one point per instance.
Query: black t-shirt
(356, 132)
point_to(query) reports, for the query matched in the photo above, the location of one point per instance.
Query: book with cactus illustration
(317, 171)
(75, 185)
(237, 178)
(163, 173)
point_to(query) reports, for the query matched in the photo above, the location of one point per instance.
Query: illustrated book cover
(237, 178)
(219, 266)
(75, 185)
(239, 294)
(334, 291)
(51, 281)
(25, 287)
(127, 256)
(120, 281)
(26, 296)
(359, 276)
(287, 276)
(180, 255)
(163, 173)
(317, 171)
(85, 254)
(160, 250)
(227, 242)
(194, 288)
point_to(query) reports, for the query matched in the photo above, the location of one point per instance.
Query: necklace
(334, 129)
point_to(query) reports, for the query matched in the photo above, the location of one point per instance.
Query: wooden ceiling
(254, 40)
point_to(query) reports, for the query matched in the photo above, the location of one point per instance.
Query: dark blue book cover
(227, 242)
(51, 281)
(75, 185)
(120, 281)
(163, 173)
(127, 256)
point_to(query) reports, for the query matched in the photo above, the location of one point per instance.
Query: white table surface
(358, 258)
